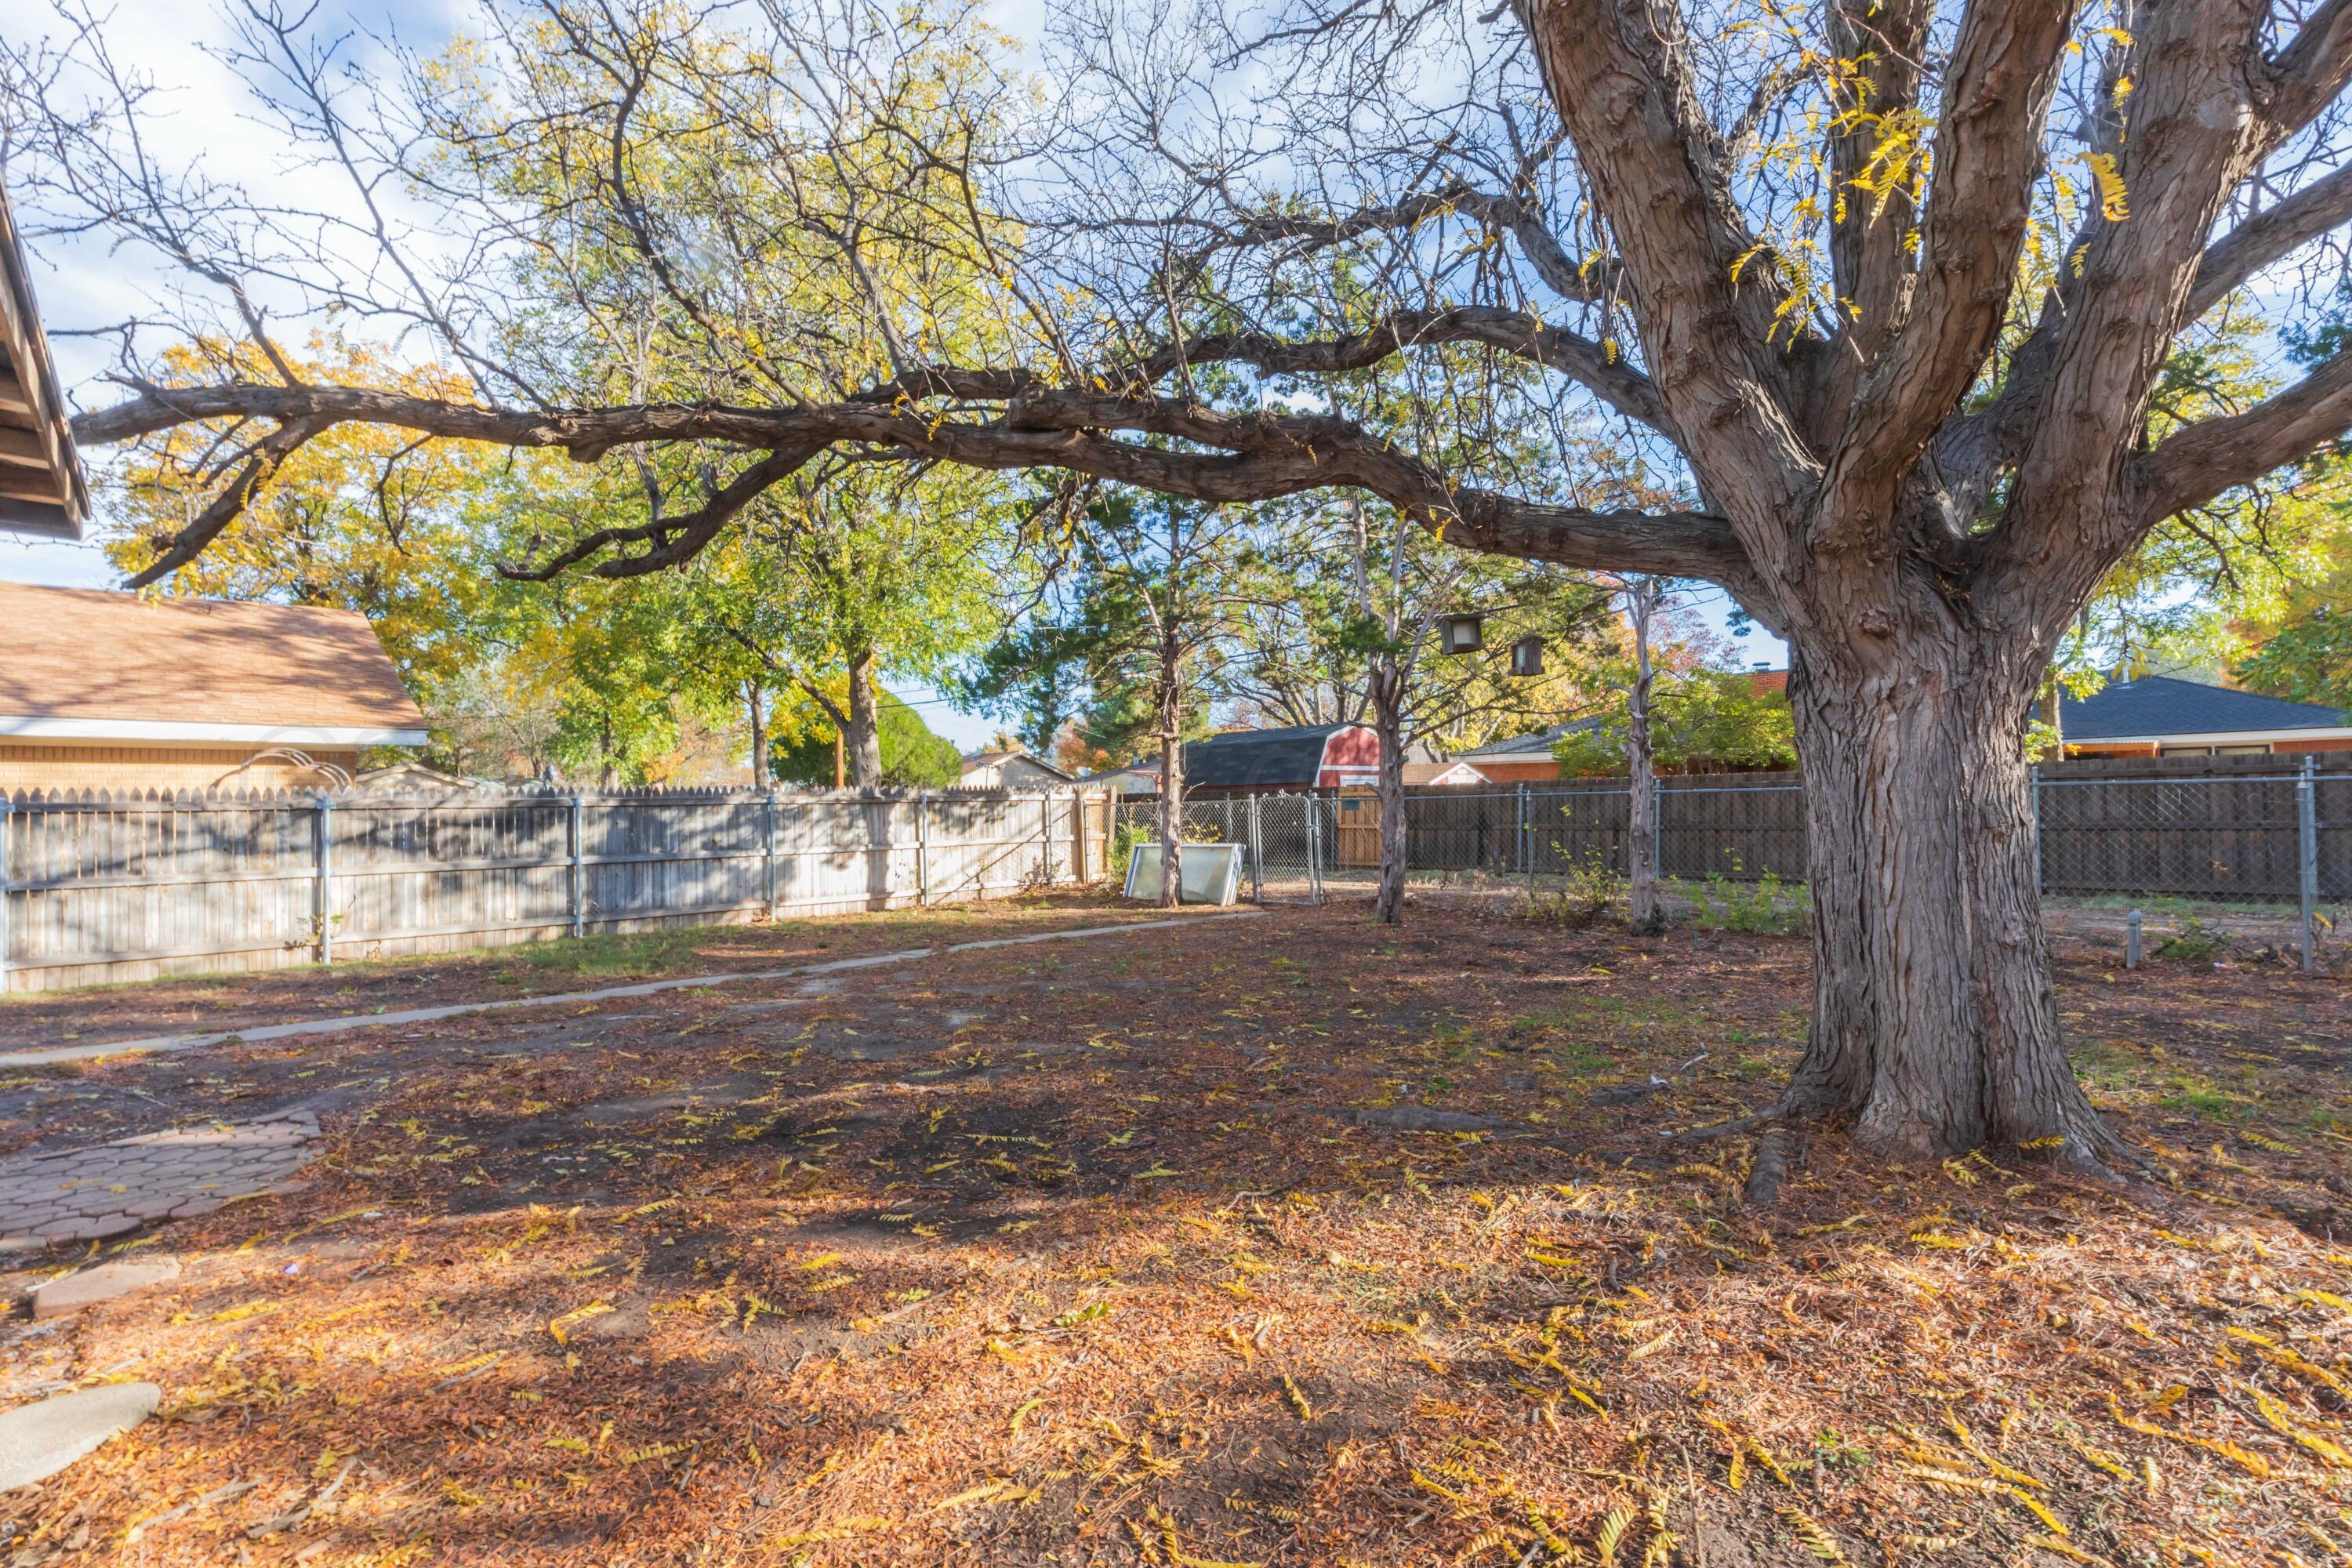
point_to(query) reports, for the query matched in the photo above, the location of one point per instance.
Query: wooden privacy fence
(98, 888)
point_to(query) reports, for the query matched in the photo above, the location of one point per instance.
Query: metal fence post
(1521, 841)
(2306, 815)
(321, 891)
(2132, 939)
(1528, 834)
(922, 851)
(771, 805)
(1658, 793)
(1257, 854)
(1314, 852)
(1046, 835)
(579, 878)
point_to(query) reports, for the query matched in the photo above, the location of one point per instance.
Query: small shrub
(1765, 905)
(2192, 943)
(1124, 837)
(1583, 900)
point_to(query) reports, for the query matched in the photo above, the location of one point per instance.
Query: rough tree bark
(755, 693)
(857, 725)
(864, 730)
(1935, 1026)
(1386, 678)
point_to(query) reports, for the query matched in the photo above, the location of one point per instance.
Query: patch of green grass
(2150, 1076)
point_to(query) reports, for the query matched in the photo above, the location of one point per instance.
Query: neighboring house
(1455, 775)
(1303, 756)
(1010, 770)
(105, 691)
(1528, 759)
(2160, 715)
(1523, 759)
(42, 491)
(1136, 778)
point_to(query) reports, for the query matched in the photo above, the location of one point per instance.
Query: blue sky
(80, 285)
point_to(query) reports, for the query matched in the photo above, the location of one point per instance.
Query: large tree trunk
(1934, 1025)
(863, 735)
(1171, 796)
(757, 692)
(1387, 683)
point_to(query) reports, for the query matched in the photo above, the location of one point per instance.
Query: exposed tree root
(1769, 1170)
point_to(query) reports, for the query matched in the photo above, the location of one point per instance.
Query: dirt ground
(1281, 1240)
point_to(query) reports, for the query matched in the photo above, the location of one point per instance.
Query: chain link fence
(2277, 839)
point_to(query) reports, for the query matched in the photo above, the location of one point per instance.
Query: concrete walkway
(51, 1055)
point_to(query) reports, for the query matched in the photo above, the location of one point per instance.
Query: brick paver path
(80, 1194)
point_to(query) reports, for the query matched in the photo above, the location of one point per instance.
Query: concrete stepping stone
(88, 1287)
(38, 1441)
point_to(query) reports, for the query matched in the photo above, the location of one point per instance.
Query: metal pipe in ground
(2131, 940)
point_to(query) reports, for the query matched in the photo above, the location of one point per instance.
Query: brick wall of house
(51, 768)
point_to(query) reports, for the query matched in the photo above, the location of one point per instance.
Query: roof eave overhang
(2218, 737)
(42, 491)
(183, 732)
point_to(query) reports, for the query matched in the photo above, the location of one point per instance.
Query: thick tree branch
(1869, 249)
(1709, 308)
(2191, 466)
(2309, 73)
(1258, 455)
(268, 455)
(1517, 333)
(2193, 138)
(1988, 151)
(2268, 236)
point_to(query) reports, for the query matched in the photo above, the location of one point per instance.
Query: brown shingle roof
(79, 653)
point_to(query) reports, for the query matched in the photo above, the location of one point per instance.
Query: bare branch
(676, 539)
(267, 455)
(2311, 72)
(1593, 365)
(2270, 234)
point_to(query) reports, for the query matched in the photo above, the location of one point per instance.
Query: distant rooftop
(1538, 745)
(89, 664)
(2158, 706)
(1239, 759)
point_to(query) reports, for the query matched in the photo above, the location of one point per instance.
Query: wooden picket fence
(101, 887)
